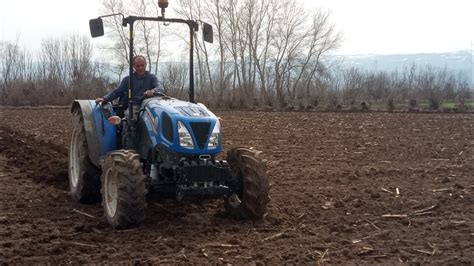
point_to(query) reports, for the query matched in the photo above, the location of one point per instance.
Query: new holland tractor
(166, 149)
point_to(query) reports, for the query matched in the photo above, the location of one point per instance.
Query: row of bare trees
(61, 71)
(413, 84)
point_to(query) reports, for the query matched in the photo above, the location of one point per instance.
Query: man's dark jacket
(140, 85)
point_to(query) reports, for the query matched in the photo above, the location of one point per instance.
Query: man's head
(139, 64)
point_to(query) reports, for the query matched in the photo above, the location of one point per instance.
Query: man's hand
(99, 100)
(149, 93)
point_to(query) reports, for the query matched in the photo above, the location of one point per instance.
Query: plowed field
(346, 188)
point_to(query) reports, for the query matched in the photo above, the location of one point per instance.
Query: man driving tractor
(145, 84)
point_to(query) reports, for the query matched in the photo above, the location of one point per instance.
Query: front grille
(201, 132)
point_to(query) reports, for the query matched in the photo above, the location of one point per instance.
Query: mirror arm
(124, 23)
(111, 15)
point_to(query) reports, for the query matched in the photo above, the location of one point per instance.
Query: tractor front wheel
(123, 189)
(84, 177)
(250, 170)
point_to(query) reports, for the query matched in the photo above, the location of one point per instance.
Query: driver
(145, 85)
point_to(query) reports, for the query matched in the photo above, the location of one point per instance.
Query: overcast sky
(369, 26)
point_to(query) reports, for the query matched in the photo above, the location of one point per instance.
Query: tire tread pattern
(131, 194)
(251, 168)
(88, 187)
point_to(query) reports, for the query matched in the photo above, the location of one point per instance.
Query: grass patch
(453, 104)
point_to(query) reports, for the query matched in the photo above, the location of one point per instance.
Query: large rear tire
(84, 177)
(123, 189)
(251, 172)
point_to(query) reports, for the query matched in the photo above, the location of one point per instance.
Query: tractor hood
(174, 106)
(182, 126)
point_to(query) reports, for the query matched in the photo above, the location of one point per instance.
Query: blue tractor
(167, 149)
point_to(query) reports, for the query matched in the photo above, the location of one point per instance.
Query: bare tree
(321, 38)
(175, 77)
(198, 10)
(353, 79)
(9, 54)
(146, 34)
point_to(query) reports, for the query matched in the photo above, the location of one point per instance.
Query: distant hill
(461, 61)
(456, 61)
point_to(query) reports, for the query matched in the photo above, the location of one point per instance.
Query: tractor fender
(93, 147)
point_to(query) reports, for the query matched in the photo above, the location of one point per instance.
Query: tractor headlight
(214, 138)
(185, 139)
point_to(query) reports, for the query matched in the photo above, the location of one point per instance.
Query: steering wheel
(156, 93)
(160, 94)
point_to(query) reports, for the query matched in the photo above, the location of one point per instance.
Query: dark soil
(334, 198)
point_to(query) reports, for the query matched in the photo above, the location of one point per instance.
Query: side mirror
(207, 33)
(96, 27)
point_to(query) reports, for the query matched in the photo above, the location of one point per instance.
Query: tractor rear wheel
(84, 177)
(251, 172)
(123, 189)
